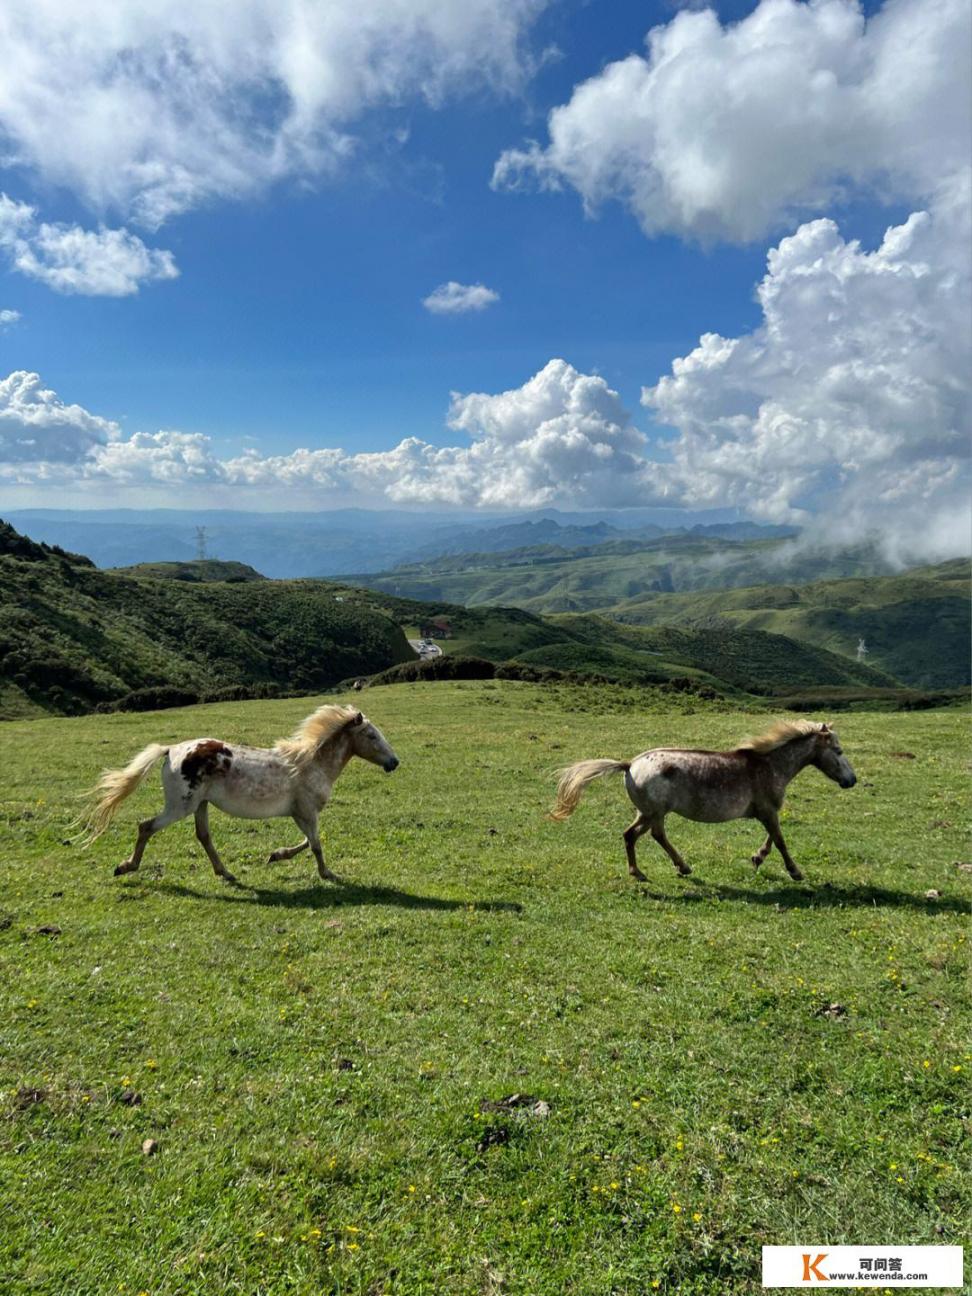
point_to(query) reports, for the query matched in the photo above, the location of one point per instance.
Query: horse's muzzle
(392, 764)
(849, 782)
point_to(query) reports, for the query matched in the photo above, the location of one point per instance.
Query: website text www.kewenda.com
(878, 1275)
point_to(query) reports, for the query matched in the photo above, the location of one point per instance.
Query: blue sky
(316, 291)
(296, 319)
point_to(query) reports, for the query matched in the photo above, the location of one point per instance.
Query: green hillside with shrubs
(73, 638)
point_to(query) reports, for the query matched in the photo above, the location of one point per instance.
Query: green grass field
(728, 1060)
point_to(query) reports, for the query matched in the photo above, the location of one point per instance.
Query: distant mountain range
(342, 541)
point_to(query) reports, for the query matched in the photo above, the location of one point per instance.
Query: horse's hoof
(684, 871)
(327, 876)
(123, 868)
(638, 875)
(755, 860)
(797, 876)
(228, 877)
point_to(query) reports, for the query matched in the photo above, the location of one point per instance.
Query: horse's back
(707, 786)
(248, 782)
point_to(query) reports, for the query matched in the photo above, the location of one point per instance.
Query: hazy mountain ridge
(339, 542)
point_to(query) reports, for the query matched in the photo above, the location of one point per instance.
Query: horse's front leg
(772, 825)
(206, 842)
(761, 854)
(306, 821)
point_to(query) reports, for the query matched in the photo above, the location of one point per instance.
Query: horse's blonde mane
(779, 734)
(307, 739)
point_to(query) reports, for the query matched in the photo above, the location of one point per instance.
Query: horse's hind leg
(286, 852)
(202, 834)
(658, 832)
(631, 836)
(146, 830)
(761, 854)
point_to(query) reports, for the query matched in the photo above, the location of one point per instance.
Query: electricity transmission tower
(201, 540)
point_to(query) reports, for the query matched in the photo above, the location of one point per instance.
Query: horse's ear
(356, 719)
(825, 727)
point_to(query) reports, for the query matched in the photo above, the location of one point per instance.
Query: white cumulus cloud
(8, 318)
(152, 109)
(37, 429)
(850, 404)
(563, 437)
(726, 132)
(457, 299)
(70, 259)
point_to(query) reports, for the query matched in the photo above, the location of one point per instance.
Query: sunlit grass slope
(728, 1059)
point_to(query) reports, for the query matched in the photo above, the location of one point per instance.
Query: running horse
(293, 778)
(714, 786)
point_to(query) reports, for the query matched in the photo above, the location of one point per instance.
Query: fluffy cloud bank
(457, 299)
(851, 402)
(148, 110)
(69, 259)
(563, 436)
(725, 132)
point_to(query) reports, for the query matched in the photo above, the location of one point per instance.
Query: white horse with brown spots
(714, 786)
(292, 779)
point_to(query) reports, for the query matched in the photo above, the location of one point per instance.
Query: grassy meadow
(489, 1064)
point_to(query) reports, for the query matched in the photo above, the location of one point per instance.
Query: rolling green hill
(73, 637)
(551, 579)
(915, 624)
(199, 569)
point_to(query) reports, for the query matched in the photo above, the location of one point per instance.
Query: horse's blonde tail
(113, 787)
(575, 778)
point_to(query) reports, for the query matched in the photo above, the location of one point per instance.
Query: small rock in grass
(963, 866)
(495, 1136)
(49, 929)
(26, 1097)
(150, 1147)
(343, 1064)
(932, 894)
(130, 1098)
(524, 1104)
(833, 1010)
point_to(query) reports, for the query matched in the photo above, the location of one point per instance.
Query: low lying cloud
(813, 418)
(457, 299)
(8, 318)
(727, 132)
(562, 437)
(70, 259)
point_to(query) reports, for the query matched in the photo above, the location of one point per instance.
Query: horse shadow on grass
(349, 894)
(826, 896)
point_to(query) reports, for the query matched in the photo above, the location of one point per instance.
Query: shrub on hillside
(155, 699)
(437, 668)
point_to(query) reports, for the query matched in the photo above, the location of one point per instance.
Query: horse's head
(368, 742)
(829, 758)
